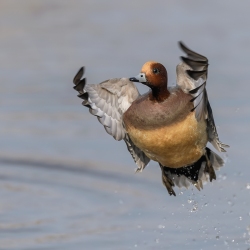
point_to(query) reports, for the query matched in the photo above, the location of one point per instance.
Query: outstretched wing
(108, 101)
(212, 131)
(139, 157)
(192, 78)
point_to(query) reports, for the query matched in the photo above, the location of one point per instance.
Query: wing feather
(108, 101)
(192, 78)
(212, 131)
(139, 157)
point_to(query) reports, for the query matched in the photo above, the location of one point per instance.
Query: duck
(169, 125)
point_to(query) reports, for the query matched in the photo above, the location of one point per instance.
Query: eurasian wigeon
(169, 125)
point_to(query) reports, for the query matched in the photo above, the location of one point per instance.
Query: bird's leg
(209, 168)
(167, 182)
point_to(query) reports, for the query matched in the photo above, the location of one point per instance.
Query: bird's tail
(196, 174)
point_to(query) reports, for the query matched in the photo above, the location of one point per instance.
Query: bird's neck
(159, 94)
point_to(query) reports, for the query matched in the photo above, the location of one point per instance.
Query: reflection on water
(65, 183)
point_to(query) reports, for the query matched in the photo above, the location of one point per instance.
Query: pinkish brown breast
(167, 132)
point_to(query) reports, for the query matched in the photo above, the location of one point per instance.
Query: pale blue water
(64, 182)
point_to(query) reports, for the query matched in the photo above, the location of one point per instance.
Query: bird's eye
(156, 71)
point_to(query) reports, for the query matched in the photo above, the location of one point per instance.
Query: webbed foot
(209, 168)
(167, 182)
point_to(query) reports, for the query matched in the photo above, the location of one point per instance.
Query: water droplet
(190, 201)
(240, 218)
(157, 241)
(161, 226)
(217, 237)
(205, 204)
(135, 245)
(248, 186)
(215, 228)
(194, 208)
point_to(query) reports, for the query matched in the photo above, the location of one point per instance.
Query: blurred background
(64, 182)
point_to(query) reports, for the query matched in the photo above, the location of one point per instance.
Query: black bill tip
(133, 79)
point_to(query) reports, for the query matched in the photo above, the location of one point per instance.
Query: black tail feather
(195, 174)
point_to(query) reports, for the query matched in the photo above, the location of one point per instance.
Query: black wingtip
(78, 75)
(194, 64)
(194, 98)
(84, 96)
(193, 91)
(192, 54)
(80, 86)
(182, 46)
(196, 74)
(192, 110)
